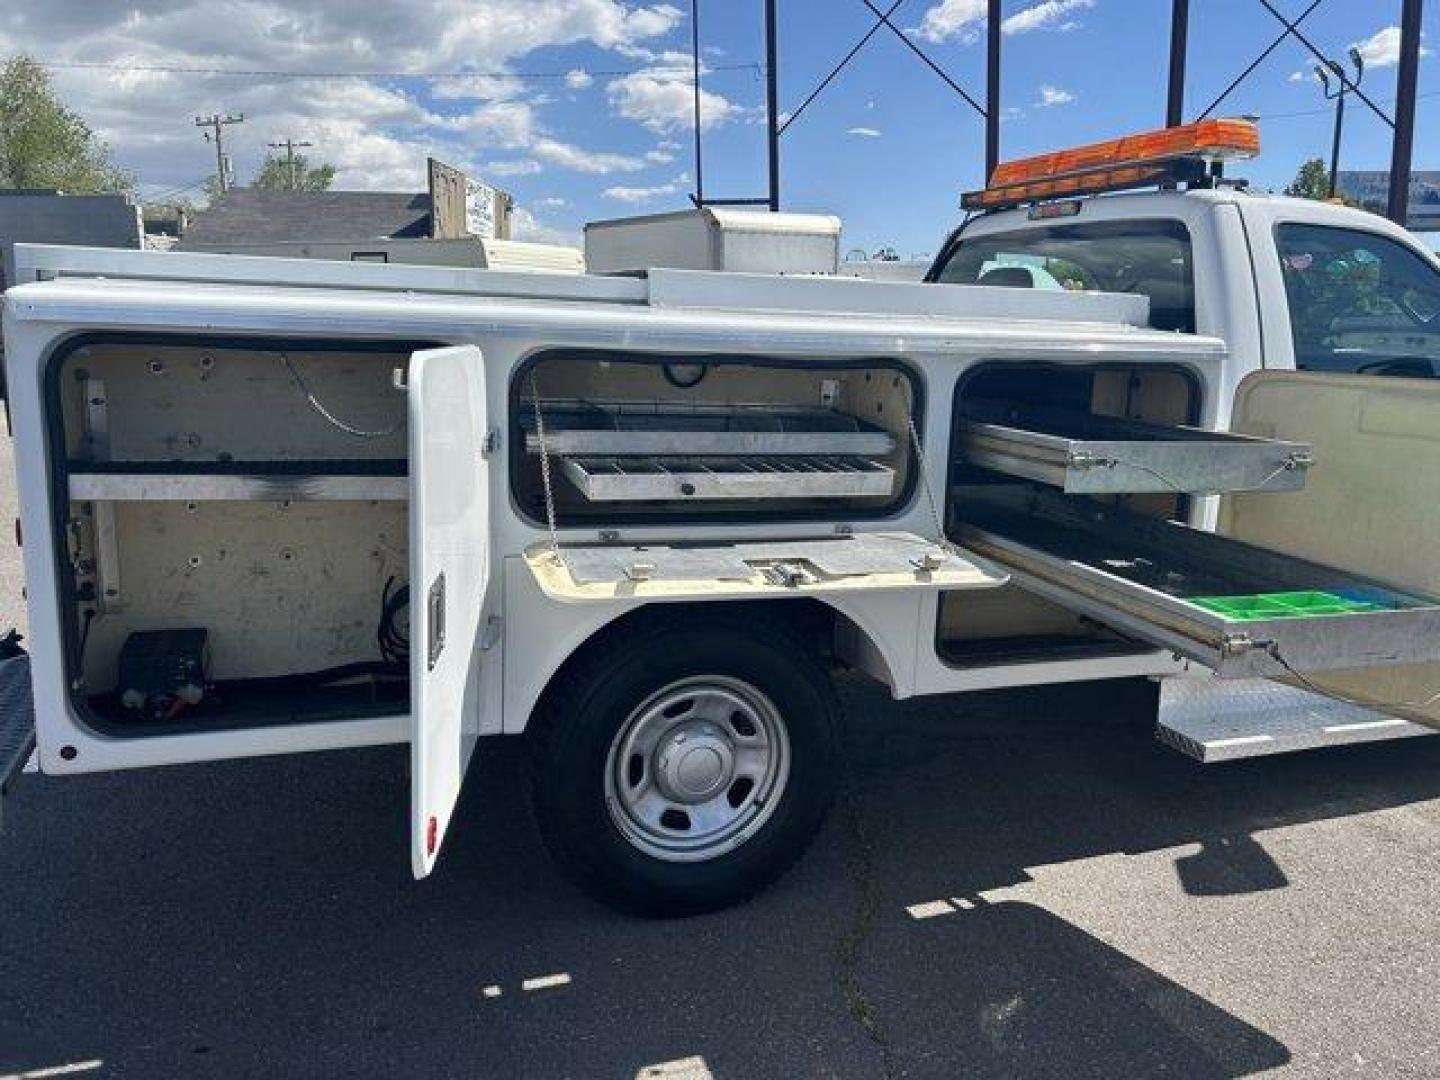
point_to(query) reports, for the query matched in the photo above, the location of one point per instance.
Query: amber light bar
(1131, 161)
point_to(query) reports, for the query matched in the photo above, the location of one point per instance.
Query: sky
(584, 108)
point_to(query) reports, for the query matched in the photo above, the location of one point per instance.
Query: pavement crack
(853, 938)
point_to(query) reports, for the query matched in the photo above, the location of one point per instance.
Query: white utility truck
(273, 506)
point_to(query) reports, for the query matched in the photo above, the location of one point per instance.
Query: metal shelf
(662, 428)
(1143, 576)
(200, 487)
(632, 479)
(1086, 454)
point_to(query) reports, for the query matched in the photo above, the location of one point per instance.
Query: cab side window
(1147, 257)
(1359, 302)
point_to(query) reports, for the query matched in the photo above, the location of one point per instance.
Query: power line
(264, 73)
(1326, 112)
(172, 192)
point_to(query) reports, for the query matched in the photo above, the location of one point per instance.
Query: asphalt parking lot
(1020, 884)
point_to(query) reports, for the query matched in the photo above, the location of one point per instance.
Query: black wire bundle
(393, 637)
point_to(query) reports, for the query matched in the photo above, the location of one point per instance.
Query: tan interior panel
(1371, 503)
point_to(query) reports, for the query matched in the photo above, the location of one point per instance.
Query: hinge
(494, 630)
(1236, 644)
(491, 442)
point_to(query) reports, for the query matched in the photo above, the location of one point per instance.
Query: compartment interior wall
(880, 395)
(282, 587)
(1009, 623)
(233, 402)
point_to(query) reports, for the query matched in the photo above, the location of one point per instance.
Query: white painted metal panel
(449, 572)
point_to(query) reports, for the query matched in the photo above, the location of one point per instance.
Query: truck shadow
(258, 917)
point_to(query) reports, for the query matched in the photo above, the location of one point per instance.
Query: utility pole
(1404, 144)
(1179, 37)
(217, 124)
(772, 103)
(993, 109)
(290, 146)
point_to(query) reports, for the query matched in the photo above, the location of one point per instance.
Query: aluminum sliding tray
(629, 479)
(1140, 576)
(1082, 453)
(658, 429)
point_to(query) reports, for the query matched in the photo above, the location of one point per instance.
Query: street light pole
(1345, 85)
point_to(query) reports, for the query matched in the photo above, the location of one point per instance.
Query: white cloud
(378, 132)
(659, 156)
(952, 19)
(526, 226)
(621, 193)
(552, 202)
(963, 19)
(864, 132)
(599, 163)
(1299, 76)
(1382, 48)
(1047, 15)
(664, 101)
(579, 79)
(518, 167)
(1053, 95)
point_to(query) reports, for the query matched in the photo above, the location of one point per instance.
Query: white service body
(466, 345)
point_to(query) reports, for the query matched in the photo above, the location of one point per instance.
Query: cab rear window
(1152, 258)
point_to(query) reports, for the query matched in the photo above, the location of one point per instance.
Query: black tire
(592, 700)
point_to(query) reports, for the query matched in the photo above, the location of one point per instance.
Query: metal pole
(1335, 143)
(695, 59)
(1179, 36)
(772, 102)
(217, 123)
(992, 88)
(1404, 144)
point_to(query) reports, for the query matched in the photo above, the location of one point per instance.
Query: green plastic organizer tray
(1284, 605)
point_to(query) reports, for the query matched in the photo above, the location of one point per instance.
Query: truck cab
(1287, 284)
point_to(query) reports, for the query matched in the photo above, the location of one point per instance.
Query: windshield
(1151, 258)
(1359, 302)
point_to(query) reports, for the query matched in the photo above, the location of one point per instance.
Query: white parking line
(71, 1069)
(546, 982)
(691, 1068)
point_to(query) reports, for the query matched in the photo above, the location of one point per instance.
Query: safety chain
(545, 480)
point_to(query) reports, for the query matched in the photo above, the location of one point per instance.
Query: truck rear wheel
(681, 767)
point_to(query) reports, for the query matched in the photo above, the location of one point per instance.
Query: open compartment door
(449, 572)
(1371, 504)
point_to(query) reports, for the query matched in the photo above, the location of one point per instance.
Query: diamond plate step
(1214, 720)
(17, 720)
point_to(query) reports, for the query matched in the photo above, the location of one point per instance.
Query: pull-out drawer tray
(1081, 453)
(1241, 610)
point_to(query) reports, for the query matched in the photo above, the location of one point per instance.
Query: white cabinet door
(1371, 502)
(449, 572)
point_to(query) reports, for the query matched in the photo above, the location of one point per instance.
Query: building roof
(254, 216)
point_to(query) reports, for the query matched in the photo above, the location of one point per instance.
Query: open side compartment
(1015, 625)
(232, 531)
(1330, 588)
(611, 438)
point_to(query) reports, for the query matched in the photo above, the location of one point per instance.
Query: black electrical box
(163, 663)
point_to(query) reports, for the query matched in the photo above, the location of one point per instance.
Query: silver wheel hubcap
(697, 768)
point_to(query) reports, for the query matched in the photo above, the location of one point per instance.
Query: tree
(293, 174)
(1311, 182)
(45, 145)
